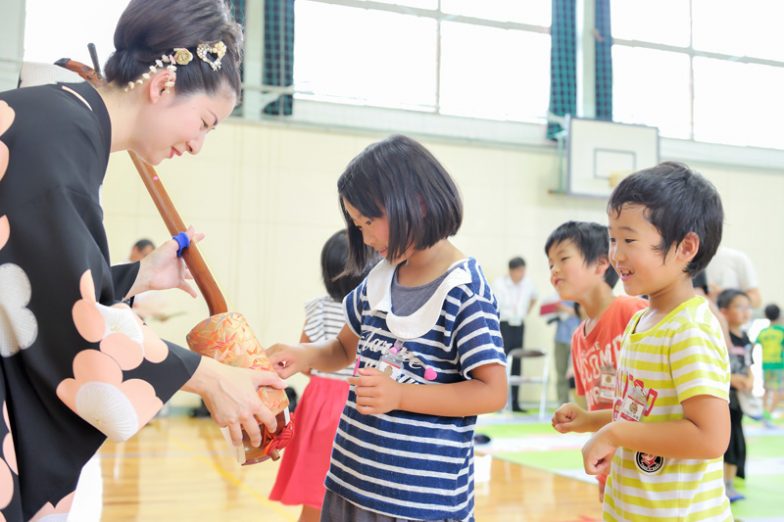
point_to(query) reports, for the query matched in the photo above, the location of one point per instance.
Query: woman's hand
(231, 396)
(162, 269)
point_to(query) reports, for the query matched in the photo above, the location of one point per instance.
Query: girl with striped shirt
(423, 328)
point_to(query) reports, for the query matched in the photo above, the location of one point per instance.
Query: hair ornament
(211, 53)
(159, 64)
(182, 56)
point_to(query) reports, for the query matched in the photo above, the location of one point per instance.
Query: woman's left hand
(162, 269)
(376, 392)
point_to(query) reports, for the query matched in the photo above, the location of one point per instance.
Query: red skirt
(305, 461)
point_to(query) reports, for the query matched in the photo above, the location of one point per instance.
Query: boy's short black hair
(516, 262)
(591, 239)
(772, 312)
(677, 201)
(727, 296)
(334, 256)
(400, 177)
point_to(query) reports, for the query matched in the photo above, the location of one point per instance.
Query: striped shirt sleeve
(477, 334)
(699, 361)
(314, 324)
(324, 318)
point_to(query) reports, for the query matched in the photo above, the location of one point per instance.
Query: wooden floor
(179, 469)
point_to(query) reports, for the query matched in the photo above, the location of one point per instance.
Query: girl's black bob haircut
(402, 179)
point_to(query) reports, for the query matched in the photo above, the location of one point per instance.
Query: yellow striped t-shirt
(680, 357)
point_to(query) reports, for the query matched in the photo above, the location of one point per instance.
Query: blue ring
(183, 241)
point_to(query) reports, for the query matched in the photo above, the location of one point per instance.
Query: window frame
(439, 17)
(693, 53)
(376, 121)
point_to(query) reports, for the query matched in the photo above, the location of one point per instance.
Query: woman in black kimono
(76, 365)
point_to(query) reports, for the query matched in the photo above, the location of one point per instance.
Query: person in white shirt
(516, 297)
(732, 268)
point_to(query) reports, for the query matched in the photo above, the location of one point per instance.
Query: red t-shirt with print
(595, 356)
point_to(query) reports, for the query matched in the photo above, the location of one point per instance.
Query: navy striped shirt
(404, 464)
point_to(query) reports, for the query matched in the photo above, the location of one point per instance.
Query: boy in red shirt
(580, 271)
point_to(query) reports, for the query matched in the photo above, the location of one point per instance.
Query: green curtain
(603, 64)
(279, 52)
(563, 62)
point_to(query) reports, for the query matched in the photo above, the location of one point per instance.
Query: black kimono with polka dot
(76, 365)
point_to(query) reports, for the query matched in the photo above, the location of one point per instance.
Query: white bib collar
(379, 294)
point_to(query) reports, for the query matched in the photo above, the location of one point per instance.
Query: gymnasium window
(706, 70)
(487, 59)
(52, 29)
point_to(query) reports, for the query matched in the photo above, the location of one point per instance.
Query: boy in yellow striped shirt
(664, 439)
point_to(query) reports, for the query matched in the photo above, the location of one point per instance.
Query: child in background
(735, 306)
(577, 253)
(300, 479)
(670, 418)
(424, 329)
(772, 341)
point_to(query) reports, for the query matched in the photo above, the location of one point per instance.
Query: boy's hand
(598, 453)
(570, 417)
(376, 392)
(742, 382)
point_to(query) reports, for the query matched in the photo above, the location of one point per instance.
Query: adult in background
(516, 296)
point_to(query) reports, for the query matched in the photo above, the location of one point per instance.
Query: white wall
(265, 195)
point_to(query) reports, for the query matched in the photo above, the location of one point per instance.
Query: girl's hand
(231, 396)
(570, 417)
(287, 360)
(598, 453)
(376, 392)
(162, 269)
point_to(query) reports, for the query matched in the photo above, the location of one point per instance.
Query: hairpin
(159, 64)
(210, 53)
(206, 50)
